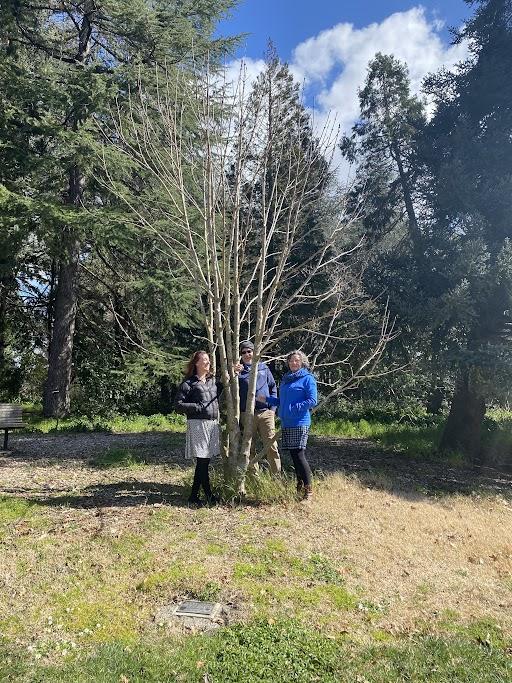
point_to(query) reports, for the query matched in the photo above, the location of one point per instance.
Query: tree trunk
(412, 221)
(436, 391)
(3, 335)
(463, 429)
(56, 397)
(166, 394)
(3, 321)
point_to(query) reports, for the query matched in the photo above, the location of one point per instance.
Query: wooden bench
(10, 418)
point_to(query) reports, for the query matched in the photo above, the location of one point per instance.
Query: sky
(328, 44)
(290, 22)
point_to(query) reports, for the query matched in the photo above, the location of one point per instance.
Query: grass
(361, 585)
(412, 432)
(119, 424)
(268, 651)
(117, 457)
(416, 434)
(13, 509)
(413, 439)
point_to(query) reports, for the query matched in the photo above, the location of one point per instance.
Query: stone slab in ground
(192, 615)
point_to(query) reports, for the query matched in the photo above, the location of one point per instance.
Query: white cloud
(244, 70)
(334, 62)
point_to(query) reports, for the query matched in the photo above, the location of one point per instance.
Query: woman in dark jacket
(198, 399)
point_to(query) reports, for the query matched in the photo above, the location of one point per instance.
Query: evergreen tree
(383, 141)
(281, 132)
(89, 54)
(470, 142)
(404, 249)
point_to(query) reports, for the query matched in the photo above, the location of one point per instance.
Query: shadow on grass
(374, 465)
(94, 449)
(403, 474)
(119, 494)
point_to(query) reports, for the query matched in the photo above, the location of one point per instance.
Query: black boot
(196, 485)
(195, 502)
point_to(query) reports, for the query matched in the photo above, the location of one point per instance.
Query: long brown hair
(190, 368)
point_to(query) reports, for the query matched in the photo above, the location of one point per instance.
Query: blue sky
(290, 22)
(328, 44)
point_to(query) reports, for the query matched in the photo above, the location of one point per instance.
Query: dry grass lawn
(89, 555)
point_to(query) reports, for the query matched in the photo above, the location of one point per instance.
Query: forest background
(96, 318)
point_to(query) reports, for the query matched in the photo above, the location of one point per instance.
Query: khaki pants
(264, 424)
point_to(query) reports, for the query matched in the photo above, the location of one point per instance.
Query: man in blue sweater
(264, 422)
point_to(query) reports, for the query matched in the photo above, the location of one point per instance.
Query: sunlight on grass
(267, 651)
(117, 457)
(12, 509)
(414, 433)
(120, 424)
(414, 439)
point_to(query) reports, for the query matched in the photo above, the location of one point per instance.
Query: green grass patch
(412, 432)
(266, 651)
(216, 548)
(407, 429)
(320, 569)
(117, 457)
(275, 581)
(263, 488)
(119, 424)
(13, 509)
(413, 439)
(184, 579)
(101, 617)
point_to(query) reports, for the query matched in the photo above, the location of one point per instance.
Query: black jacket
(199, 400)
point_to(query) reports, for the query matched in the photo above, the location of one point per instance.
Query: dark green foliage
(469, 153)
(405, 255)
(62, 66)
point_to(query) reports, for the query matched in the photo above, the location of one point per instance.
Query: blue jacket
(265, 385)
(298, 395)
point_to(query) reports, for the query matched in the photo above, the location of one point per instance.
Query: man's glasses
(246, 351)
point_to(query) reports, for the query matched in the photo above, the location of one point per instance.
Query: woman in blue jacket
(297, 395)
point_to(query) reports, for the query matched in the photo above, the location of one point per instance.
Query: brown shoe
(308, 492)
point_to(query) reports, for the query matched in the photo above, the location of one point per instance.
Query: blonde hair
(303, 358)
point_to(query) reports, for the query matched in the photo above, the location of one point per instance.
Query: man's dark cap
(246, 345)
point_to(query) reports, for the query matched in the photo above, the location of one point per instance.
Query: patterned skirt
(294, 437)
(203, 439)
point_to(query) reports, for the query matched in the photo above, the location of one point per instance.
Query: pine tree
(90, 53)
(470, 142)
(402, 245)
(283, 133)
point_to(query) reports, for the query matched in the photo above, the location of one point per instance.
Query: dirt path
(364, 459)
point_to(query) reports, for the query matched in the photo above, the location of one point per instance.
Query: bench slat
(11, 416)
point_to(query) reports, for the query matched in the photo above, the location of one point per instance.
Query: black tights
(201, 478)
(302, 468)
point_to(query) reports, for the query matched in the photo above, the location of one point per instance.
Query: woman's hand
(261, 398)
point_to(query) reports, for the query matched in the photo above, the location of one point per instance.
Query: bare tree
(233, 190)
